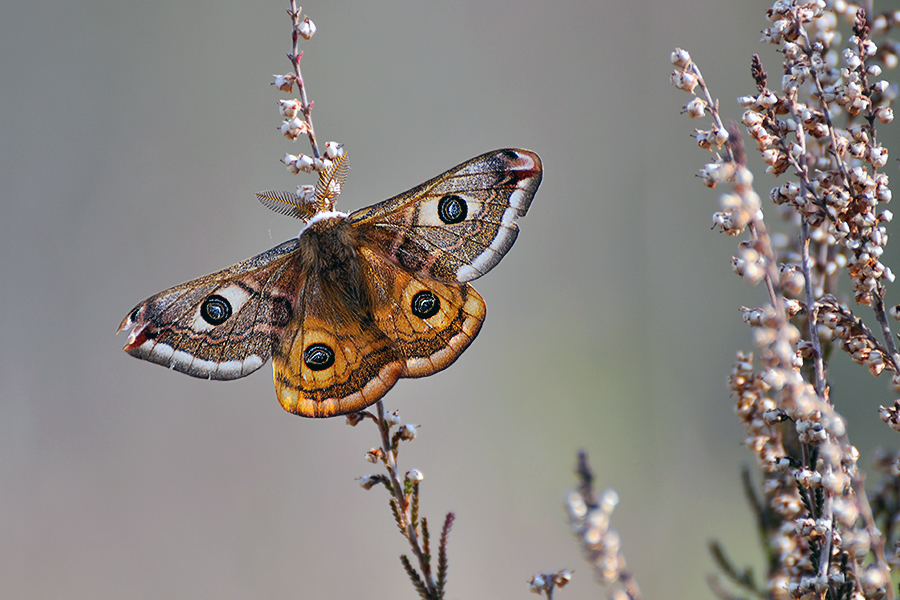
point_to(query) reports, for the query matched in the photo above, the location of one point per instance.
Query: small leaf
(744, 579)
(414, 577)
(396, 513)
(442, 554)
(426, 542)
(414, 508)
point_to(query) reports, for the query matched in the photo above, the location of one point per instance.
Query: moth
(356, 301)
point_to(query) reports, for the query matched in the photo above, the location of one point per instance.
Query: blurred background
(134, 135)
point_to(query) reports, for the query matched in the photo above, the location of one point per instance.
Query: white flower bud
(321, 165)
(852, 59)
(868, 48)
(334, 150)
(878, 156)
(288, 108)
(306, 29)
(374, 455)
(767, 99)
(290, 161)
(407, 432)
(284, 82)
(292, 128)
(367, 482)
(303, 163)
(306, 192)
(684, 81)
(680, 58)
(537, 584)
(695, 108)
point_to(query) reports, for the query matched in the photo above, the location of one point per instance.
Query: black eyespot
(452, 209)
(318, 357)
(425, 304)
(215, 310)
(509, 155)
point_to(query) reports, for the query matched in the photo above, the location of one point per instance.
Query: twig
(294, 56)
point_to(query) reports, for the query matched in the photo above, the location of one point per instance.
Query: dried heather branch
(404, 500)
(815, 517)
(304, 29)
(297, 114)
(589, 518)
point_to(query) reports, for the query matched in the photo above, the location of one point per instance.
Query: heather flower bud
(295, 164)
(321, 165)
(290, 161)
(752, 118)
(306, 29)
(353, 419)
(537, 584)
(292, 128)
(680, 58)
(285, 83)
(374, 455)
(306, 192)
(884, 114)
(684, 81)
(767, 99)
(334, 150)
(878, 156)
(288, 108)
(367, 482)
(407, 432)
(695, 108)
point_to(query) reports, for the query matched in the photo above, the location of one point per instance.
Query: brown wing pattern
(220, 326)
(430, 323)
(457, 226)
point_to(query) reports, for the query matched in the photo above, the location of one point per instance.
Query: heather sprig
(589, 518)
(296, 114)
(817, 131)
(404, 501)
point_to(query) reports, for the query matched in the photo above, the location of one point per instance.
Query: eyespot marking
(425, 304)
(452, 209)
(215, 310)
(318, 357)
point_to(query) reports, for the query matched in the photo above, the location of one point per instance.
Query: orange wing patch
(430, 323)
(330, 365)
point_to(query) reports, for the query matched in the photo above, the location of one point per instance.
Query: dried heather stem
(819, 522)
(403, 502)
(589, 517)
(297, 31)
(405, 499)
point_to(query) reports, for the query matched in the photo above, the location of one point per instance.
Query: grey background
(132, 138)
